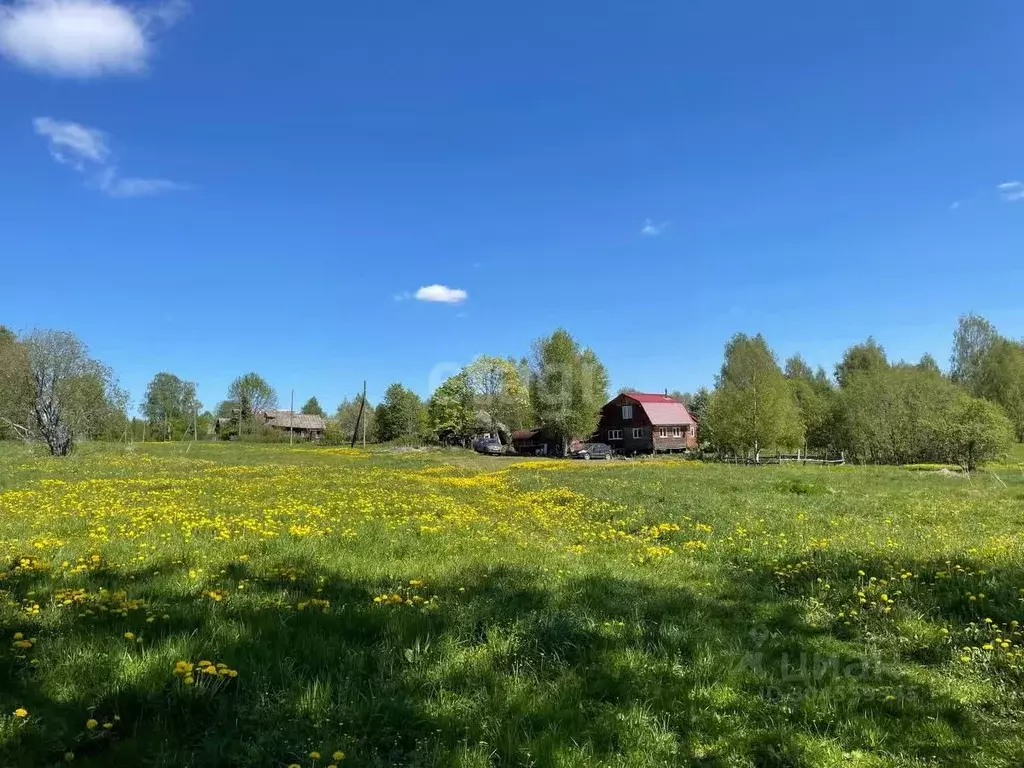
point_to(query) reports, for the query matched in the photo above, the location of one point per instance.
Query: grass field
(234, 605)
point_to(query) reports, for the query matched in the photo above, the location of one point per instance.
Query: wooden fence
(799, 457)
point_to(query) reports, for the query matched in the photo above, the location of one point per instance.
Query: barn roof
(285, 420)
(662, 410)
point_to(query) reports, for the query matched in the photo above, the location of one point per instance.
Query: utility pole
(359, 420)
(291, 420)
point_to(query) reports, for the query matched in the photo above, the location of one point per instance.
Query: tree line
(872, 409)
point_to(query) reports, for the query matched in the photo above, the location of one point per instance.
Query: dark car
(589, 451)
(489, 446)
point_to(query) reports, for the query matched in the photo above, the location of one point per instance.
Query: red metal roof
(662, 410)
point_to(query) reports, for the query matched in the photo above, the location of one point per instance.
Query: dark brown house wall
(611, 418)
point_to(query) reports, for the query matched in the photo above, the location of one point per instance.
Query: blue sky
(221, 188)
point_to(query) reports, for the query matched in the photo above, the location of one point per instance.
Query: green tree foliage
(568, 387)
(312, 408)
(752, 407)
(253, 394)
(399, 414)
(908, 413)
(973, 338)
(73, 395)
(16, 387)
(970, 431)
(346, 417)
(868, 356)
(499, 389)
(815, 400)
(1000, 378)
(928, 364)
(169, 405)
(451, 410)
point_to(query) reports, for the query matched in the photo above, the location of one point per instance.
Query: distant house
(305, 427)
(642, 423)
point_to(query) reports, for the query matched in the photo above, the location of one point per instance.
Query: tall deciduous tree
(1000, 378)
(752, 407)
(399, 414)
(498, 388)
(73, 394)
(16, 387)
(170, 403)
(451, 410)
(869, 356)
(973, 338)
(347, 419)
(253, 394)
(312, 408)
(568, 387)
(814, 397)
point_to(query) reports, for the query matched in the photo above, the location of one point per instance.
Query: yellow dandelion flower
(315, 755)
(21, 712)
(90, 723)
(338, 756)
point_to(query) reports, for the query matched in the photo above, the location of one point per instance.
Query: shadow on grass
(505, 666)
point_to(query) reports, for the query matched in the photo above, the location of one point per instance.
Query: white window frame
(614, 434)
(638, 433)
(627, 412)
(662, 431)
(677, 432)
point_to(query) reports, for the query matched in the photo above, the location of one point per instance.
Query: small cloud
(954, 205)
(1011, 191)
(83, 38)
(403, 296)
(442, 294)
(116, 186)
(652, 228)
(86, 150)
(71, 143)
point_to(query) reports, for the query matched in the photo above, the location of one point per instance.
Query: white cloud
(1012, 191)
(83, 38)
(86, 150)
(71, 143)
(954, 205)
(441, 293)
(652, 228)
(116, 186)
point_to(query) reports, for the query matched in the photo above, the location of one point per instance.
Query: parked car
(589, 451)
(488, 446)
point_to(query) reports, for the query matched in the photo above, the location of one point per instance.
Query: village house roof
(662, 410)
(286, 420)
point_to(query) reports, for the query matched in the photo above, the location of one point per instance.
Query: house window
(676, 432)
(627, 412)
(663, 432)
(614, 434)
(638, 433)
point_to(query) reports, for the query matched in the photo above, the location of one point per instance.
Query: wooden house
(643, 423)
